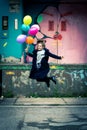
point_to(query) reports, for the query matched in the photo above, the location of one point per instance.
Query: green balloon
(40, 18)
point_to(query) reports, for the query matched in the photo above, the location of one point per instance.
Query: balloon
(40, 18)
(21, 38)
(29, 40)
(27, 20)
(36, 26)
(25, 27)
(33, 31)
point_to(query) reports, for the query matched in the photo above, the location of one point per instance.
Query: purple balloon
(33, 31)
(21, 38)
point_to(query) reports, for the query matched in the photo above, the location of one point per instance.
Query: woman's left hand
(62, 57)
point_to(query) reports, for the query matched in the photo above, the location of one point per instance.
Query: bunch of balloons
(30, 31)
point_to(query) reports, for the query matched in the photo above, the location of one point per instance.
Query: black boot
(53, 79)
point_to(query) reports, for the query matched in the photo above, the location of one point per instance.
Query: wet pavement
(43, 114)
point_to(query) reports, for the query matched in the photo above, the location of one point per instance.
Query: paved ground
(43, 114)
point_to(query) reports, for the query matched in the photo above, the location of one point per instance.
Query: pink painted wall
(73, 45)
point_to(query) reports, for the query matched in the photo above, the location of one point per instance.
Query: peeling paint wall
(71, 81)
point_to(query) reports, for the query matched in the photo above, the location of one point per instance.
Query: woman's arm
(54, 56)
(27, 53)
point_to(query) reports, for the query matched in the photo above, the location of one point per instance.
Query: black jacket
(44, 69)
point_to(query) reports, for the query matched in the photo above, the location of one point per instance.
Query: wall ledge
(52, 66)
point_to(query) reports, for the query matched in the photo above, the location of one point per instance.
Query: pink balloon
(33, 31)
(36, 26)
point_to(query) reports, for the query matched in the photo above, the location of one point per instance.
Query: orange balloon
(29, 40)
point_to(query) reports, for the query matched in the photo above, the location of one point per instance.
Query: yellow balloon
(27, 20)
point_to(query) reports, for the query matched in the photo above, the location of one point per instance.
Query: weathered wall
(8, 44)
(72, 46)
(71, 81)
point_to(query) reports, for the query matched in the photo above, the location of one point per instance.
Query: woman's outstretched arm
(54, 56)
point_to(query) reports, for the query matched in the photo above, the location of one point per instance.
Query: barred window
(50, 25)
(63, 25)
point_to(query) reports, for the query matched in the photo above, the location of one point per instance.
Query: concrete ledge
(43, 101)
(57, 101)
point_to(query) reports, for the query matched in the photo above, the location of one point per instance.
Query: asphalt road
(18, 117)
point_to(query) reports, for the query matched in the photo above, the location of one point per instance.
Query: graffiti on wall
(69, 82)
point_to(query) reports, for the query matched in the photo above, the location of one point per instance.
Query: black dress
(41, 73)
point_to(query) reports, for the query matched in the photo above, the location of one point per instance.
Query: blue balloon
(25, 27)
(21, 38)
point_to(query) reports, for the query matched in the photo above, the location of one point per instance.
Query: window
(63, 25)
(4, 22)
(51, 26)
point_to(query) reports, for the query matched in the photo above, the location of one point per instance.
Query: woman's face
(39, 46)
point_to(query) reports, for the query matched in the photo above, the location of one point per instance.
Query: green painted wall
(12, 48)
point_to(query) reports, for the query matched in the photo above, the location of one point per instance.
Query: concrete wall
(71, 81)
